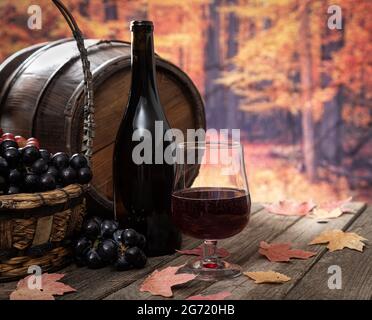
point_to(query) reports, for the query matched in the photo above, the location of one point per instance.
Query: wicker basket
(37, 228)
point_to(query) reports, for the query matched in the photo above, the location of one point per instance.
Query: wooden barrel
(43, 97)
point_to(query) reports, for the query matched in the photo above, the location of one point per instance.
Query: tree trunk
(111, 10)
(329, 136)
(231, 100)
(213, 92)
(307, 91)
(83, 8)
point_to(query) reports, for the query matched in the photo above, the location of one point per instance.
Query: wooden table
(309, 277)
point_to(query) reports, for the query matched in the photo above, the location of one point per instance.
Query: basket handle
(89, 125)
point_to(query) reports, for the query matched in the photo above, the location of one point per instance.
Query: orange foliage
(268, 63)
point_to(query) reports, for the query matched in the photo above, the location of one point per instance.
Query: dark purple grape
(60, 160)
(78, 161)
(47, 182)
(82, 246)
(107, 250)
(122, 264)
(93, 260)
(4, 167)
(118, 236)
(45, 154)
(84, 175)
(136, 257)
(12, 156)
(15, 177)
(3, 184)
(141, 260)
(53, 171)
(32, 182)
(91, 229)
(30, 154)
(7, 144)
(130, 237)
(39, 166)
(14, 190)
(68, 176)
(141, 243)
(108, 227)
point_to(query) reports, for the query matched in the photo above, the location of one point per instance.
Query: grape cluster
(24, 167)
(103, 243)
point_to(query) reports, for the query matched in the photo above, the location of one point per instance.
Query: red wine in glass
(211, 213)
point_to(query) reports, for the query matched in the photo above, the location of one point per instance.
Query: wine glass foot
(213, 271)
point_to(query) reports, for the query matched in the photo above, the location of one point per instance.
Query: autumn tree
(307, 71)
(282, 65)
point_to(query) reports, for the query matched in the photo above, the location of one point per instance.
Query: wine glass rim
(208, 144)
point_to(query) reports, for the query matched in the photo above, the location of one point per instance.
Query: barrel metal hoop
(15, 75)
(109, 68)
(96, 75)
(43, 90)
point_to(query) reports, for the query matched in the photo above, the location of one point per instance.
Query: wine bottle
(142, 185)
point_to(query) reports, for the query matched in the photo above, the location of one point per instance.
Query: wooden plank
(97, 284)
(300, 234)
(6, 289)
(356, 270)
(262, 225)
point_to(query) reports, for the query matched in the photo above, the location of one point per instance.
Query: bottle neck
(143, 65)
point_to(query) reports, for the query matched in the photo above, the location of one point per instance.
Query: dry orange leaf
(332, 209)
(282, 252)
(216, 296)
(267, 277)
(291, 208)
(324, 215)
(49, 288)
(338, 240)
(160, 283)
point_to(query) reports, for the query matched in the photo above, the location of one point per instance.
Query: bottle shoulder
(144, 112)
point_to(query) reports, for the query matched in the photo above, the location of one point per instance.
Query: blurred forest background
(300, 92)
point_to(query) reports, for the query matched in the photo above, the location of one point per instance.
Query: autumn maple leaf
(216, 296)
(324, 215)
(282, 252)
(332, 209)
(267, 277)
(49, 288)
(160, 283)
(290, 207)
(338, 240)
(198, 251)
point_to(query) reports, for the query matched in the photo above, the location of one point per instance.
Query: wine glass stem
(210, 256)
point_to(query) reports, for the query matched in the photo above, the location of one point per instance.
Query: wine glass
(210, 201)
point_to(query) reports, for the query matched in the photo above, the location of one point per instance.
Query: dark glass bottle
(142, 190)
